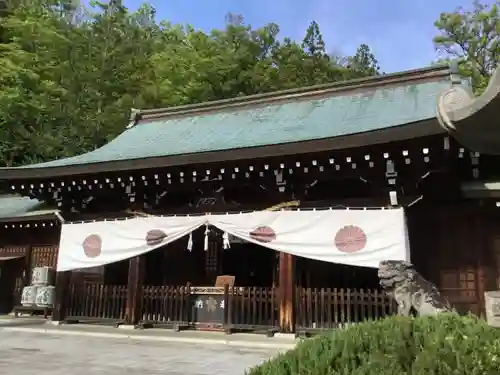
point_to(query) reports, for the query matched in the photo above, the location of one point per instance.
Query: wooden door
(447, 247)
(463, 257)
(10, 272)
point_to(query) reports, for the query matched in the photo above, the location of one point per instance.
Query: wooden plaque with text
(222, 280)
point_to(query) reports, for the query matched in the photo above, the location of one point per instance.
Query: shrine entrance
(11, 269)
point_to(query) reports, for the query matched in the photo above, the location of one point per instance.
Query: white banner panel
(352, 237)
(95, 244)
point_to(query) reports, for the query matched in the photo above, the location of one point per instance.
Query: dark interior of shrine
(251, 265)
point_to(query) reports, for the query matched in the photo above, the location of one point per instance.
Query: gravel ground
(24, 353)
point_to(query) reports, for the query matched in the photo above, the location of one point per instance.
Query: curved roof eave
(402, 132)
(473, 121)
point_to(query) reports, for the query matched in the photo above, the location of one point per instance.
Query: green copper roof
(304, 115)
(22, 208)
(273, 124)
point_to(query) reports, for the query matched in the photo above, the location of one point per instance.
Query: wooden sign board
(223, 280)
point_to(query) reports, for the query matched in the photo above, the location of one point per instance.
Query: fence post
(60, 306)
(228, 309)
(287, 292)
(133, 309)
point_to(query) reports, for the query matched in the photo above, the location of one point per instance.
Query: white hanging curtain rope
(207, 232)
(190, 242)
(225, 241)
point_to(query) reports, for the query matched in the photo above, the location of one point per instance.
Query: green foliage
(70, 75)
(443, 345)
(472, 38)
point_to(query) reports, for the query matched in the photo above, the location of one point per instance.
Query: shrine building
(268, 212)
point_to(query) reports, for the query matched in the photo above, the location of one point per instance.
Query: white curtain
(352, 237)
(95, 244)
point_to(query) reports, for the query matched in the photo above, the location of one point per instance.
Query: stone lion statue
(412, 293)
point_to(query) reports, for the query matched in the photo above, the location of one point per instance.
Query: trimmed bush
(446, 344)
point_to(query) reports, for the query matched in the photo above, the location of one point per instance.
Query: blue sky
(398, 31)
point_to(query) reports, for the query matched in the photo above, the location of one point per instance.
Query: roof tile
(271, 124)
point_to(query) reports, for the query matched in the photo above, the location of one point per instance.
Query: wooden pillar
(27, 266)
(134, 289)
(287, 292)
(60, 306)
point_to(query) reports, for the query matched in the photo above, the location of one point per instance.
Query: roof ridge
(138, 116)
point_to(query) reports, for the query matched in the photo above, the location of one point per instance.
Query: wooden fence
(166, 305)
(237, 308)
(324, 308)
(252, 308)
(96, 302)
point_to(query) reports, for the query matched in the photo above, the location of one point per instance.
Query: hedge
(445, 344)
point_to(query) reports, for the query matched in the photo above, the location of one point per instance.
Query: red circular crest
(263, 234)
(92, 246)
(155, 237)
(350, 239)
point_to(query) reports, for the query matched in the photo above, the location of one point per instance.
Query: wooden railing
(335, 308)
(246, 308)
(166, 305)
(252, 308)
(238, 307)
(96, 301)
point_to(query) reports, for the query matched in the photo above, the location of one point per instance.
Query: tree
(363, 63)
(313, 42)
(195, 67)
(29, 91)
(69, 77)
(472, 38)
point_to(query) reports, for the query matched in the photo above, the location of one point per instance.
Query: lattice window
(44, 256)
(14, 251)
(212, 258)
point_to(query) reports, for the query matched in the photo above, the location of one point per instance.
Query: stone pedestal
(492, 302)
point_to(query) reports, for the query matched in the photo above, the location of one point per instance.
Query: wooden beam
(287, 292)
(134, 291)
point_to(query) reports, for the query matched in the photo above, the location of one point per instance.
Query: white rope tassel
(207, 232)
(225, 241)
(190, 242)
